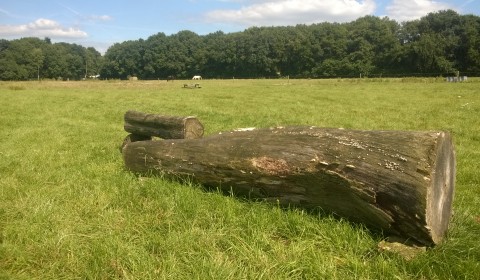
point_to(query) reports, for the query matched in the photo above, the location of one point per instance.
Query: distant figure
(197, 78)
(170, 78)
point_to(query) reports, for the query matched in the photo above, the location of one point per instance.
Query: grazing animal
(197, 77)
(170, 78)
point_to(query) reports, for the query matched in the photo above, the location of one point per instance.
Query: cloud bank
(42, 28)
(291, 12)
(405, 10)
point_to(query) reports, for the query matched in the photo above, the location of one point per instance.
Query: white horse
(197, 77)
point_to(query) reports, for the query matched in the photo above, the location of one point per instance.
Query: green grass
(69, 210)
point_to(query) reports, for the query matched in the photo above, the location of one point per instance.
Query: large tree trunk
(401, 182)
(167, 127)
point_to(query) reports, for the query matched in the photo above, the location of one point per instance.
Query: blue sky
(100, 24)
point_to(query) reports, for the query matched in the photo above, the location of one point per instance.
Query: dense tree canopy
(440, 43)
(33, 58)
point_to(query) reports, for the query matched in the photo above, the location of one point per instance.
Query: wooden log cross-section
(400, 182)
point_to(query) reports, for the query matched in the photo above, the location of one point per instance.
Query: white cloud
(291, 12)
(42, 28)
(406, 10)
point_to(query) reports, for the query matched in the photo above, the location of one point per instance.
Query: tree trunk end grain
(441, 192)
(193, 128)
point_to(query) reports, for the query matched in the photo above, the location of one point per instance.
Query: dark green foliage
(34, 58)
(439, 44)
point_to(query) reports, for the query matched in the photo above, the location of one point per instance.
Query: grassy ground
(69, 210)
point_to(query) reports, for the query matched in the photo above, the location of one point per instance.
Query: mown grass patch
(68, 209)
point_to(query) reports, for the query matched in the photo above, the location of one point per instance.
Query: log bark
(166, 127)
(400, 182)
(134, 138)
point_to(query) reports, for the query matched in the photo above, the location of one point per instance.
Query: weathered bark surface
(401, 182)
(166, 127)
(134, 138)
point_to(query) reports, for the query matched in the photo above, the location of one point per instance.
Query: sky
(100, 24)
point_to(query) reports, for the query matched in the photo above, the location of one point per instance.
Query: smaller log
(166, 127)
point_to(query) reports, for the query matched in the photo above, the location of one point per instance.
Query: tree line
(34, 58)
(441, 43)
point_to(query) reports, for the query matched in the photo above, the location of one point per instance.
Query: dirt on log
(401, 182)
(166, 127)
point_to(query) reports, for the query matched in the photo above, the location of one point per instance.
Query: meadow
(70, 210)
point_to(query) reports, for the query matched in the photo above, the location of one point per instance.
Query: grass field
(69, 210)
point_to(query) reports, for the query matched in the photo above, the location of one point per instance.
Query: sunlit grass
(69, 210)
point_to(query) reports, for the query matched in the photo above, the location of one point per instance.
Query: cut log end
(440, 193)
(193, 128)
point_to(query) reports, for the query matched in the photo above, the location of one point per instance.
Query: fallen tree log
(401, 182)
(166, 127)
